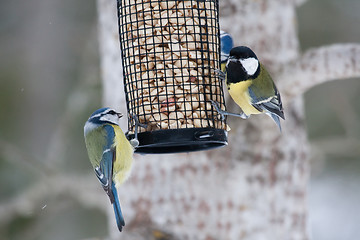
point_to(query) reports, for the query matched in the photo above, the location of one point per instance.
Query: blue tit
(110, 153)
(251, 86)
(226, 44)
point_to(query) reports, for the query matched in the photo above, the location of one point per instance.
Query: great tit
(226, 44)
(110, 153)
(251, 86)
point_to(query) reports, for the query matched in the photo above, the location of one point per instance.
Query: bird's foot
(220, 74)
(221, 112)
(242, 115)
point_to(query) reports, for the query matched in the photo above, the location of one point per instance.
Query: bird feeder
(170, 49)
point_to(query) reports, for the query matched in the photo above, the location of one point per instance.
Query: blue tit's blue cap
(100, 110)
(226, 44)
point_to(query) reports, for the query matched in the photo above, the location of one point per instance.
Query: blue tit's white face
(100, 117)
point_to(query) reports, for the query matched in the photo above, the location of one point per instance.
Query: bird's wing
(268, 102)
(104, 171)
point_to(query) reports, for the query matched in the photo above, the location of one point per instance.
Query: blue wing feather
(108, 157)
(105, 174)
(105, 170)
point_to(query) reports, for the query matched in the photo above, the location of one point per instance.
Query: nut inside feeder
(170, 50)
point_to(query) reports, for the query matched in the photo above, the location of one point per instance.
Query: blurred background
(333, 123)
(50, 82)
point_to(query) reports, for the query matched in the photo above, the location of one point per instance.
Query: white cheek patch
(89, 126)
(110, 118)
(250, 65)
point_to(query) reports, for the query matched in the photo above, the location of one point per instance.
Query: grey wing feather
(271, 104)
(276, 119)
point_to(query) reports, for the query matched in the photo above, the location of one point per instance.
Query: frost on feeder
(170, 50)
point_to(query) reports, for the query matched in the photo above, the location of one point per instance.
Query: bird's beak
(119, 115)
(232, 59)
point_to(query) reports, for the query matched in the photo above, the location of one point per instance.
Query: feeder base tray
(180, 140)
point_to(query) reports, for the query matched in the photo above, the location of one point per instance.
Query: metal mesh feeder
(169, 52)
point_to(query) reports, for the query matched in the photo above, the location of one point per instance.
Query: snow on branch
(319, 65)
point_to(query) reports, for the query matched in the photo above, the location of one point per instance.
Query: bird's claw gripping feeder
(170, 49)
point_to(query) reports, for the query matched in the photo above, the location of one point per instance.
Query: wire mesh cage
(170, 49)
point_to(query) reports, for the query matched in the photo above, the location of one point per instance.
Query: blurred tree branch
(33, 200)
(51, 179)
(319, 65)
(13, 154)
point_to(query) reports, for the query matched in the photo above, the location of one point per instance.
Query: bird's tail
(276, 119)
(117, 209)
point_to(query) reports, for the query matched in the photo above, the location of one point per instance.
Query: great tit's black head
(242, 65)
(242, 52)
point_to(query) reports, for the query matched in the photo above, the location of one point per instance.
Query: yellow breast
(124, 157)
(240, 94)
